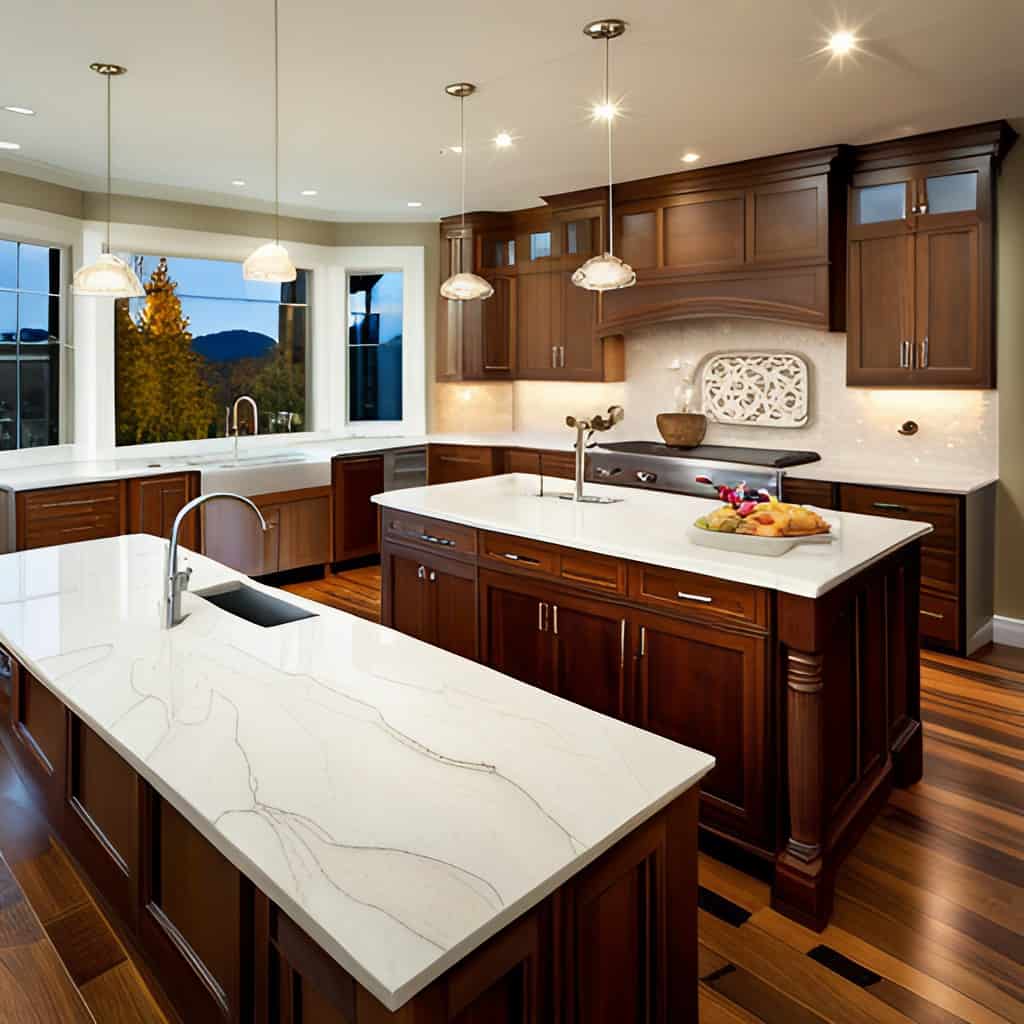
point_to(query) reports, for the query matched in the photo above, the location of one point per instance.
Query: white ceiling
(364, 115)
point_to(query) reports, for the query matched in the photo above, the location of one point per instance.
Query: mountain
(227, 346)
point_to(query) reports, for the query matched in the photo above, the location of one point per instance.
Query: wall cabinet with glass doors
(921, 289)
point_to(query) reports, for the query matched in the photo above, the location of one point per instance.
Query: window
(375, 346)
(30, 345)
(540, 245)
(201, 337)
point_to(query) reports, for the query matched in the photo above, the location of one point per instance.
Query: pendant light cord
(277, 135)
(608, 110)
(462, 154)
(108, 77)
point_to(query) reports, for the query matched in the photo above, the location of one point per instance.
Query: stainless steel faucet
(234, 418)
(585, 430)
(176, 582)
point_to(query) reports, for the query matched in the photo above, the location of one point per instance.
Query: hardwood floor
(929, 919)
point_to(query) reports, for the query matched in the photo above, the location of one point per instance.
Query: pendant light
(606, 272)
(463, 287)
(271, 262)
(108, 277)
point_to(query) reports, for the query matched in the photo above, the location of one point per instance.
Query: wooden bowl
(682, 429)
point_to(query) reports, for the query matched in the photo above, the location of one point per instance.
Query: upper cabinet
(921, 235)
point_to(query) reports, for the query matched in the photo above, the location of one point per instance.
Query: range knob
(604, 471)
(646, 477)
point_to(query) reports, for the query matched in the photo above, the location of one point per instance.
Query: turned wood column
(805, 735)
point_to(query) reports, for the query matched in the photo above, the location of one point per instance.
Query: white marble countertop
(652, 527)
(400, 803)
(916, 477)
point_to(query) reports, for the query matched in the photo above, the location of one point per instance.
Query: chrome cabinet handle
(924, 352)
(520, 558)
(643, 641)
(71, 504)
(432, 577)
(683, 596)
(905, 349)
(431, 539)
(889, 506)
(421, 572)
(561, 356)
(932, 615)
(554, 619)
(542, 616)
(554, 357)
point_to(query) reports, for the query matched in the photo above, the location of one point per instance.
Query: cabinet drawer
(692, 594)
(819, 493)
(940, 619)
(69, 530)
(518, 460)
(939, 569)
(448, 463)
(941, 510)
(62, 502)
(561, 464)
(523, 554)
(429, 534)
(590, 570)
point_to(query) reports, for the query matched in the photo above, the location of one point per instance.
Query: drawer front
(819, 493)
(691, 594)
(941, 510)
(523, 554)
(61, 515)
(85, 527)
(517, 460)
(450, 463)
(590, 570)
(939, 569)
(428, 534)
(561, 464)
(940, 619)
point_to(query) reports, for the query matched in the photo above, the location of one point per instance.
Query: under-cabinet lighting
(414, 203)
(690, 158)
(238, 182)
(10, 145)
(309, 192)
(24, 111)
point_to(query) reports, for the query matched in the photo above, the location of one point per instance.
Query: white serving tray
(752, 545)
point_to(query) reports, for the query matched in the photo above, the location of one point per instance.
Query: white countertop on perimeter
(652, 527)
(400, 803)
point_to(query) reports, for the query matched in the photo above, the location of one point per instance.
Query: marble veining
(400, 803)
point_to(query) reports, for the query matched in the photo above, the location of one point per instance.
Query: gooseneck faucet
(234, 418)
(174, 581)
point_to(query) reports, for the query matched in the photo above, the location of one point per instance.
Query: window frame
(67, 397)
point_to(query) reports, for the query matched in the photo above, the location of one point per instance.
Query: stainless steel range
(660, 467)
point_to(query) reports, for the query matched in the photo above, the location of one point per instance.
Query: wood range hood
(762, 239)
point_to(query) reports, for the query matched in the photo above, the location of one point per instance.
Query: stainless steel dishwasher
(405, 467)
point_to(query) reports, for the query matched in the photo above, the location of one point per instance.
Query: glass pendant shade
(270, 262)
(108, 278)
(465, 287)
(604, 274)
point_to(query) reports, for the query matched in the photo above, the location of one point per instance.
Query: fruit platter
(756, 522)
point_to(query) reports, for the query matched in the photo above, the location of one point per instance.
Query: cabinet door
(579, 354)
(537, 300)
(949, 343)
(880, 322)
(356, 480)
(155, 501)
(405, 598)
(232, 536)
(304, 533)
(707, 688)
(448, 463)
(498, 326)
(516, 629)
(453, 608)
(590, 655)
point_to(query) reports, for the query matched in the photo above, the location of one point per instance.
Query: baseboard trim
(983, 636)
(1008, 631)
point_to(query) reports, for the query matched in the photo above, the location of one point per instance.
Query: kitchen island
(327, 821)
(799, 673)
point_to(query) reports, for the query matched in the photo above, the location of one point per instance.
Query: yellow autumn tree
(161, 391)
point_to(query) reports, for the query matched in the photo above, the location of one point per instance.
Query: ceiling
(365, 121)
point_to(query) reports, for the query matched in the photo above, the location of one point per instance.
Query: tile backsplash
(957, 428)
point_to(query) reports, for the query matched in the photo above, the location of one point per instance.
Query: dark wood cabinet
(431, 598)
(708, 688)
(154, 501)
(355, 480)
(63, 515)
(447, 463)
(514, 625)
(537, 320)
(921, 218)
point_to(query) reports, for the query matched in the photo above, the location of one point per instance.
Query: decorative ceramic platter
(749, 544)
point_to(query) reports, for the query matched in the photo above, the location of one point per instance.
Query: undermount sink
(253, 605)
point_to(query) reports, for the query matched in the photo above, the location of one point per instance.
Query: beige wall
(1010, 328)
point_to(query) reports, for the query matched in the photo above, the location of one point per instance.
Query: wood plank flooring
(929, 919)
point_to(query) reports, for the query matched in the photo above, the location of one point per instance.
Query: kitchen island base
(809, 702)
(615, 942)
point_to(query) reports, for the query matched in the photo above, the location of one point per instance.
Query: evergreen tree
(162, 393)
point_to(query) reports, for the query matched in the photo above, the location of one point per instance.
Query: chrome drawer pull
(932, 615)
(520, 558)
(694, 597)
(443, 541)
(888, 506)
(70, 504)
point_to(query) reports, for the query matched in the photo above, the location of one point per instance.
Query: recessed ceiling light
(309, 192)
(503, 140)
(414, 203)
(605, 111)
(24, 111)
(10, 145)
(842, 42)
(690, 158)
(238, 182)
